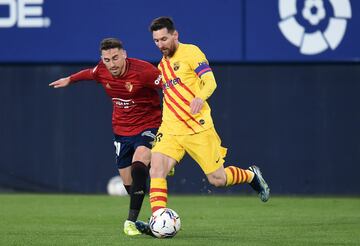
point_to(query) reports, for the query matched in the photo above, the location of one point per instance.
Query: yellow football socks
(158, 193)
(235, 175)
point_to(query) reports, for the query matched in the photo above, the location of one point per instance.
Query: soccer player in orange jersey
(187, 126)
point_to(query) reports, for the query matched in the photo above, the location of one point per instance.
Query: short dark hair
(110, 43)
(162, 22)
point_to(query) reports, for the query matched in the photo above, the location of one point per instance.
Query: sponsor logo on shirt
(157, 81)
(171, 82)
(122, 103)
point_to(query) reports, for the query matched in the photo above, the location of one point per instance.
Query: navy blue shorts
(125, 146)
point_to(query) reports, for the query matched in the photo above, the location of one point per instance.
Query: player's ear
(124, 54)
(176, 35)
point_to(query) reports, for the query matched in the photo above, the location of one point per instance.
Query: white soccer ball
(165, 223)
(116, 187)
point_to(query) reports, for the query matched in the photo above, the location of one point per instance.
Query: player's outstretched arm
(63, 82)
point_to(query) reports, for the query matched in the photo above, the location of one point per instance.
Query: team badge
(176, 66)
(129, 86)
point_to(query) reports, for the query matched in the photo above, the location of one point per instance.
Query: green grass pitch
(32, 219)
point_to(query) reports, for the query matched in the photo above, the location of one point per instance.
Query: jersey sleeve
(152, 77)
(86, 74)
(200, 65)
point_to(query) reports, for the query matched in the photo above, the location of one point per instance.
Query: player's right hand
(196, 105)
(63, 82)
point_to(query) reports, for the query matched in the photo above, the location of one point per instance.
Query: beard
(169, 52)
(116, 71)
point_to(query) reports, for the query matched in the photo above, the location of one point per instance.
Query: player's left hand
(63, 82)
(196, 105)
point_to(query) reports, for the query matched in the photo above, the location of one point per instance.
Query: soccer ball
(116, 187)
(165, 223)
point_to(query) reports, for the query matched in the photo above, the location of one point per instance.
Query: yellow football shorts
(204, 147)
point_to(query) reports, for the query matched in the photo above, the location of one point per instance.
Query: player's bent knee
(217, 178)
(160, 165)
(157, 172)
(139, 169)
(139, 174)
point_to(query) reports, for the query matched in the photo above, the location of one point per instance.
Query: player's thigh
(124, 151)
(161, 165)
(205, 148)
(142, 154)
(168, 145)
(143, 144)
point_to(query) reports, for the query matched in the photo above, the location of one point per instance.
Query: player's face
(166, 42)
(114, 60)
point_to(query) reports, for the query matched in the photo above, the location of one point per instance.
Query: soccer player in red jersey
(132, 85)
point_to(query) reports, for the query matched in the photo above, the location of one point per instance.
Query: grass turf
(31, 219)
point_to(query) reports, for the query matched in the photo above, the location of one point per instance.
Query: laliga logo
(313, 12)
(26, 13)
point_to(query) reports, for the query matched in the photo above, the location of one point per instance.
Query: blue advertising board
(70, 31)
(227, 31)
(306, 30)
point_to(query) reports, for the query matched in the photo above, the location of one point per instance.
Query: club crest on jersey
(176, 66)
(129, 86)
